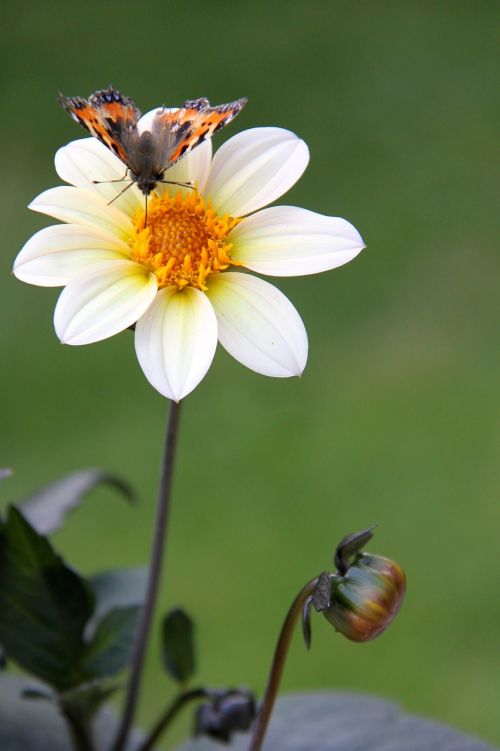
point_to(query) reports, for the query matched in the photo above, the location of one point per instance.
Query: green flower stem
(160, 534)
(79, 730)
(170, 714)
(280, 653)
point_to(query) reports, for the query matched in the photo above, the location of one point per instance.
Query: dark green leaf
(347, 722)
(87, 699)
(178, 645)
(44, 605)
(39, 726)
(110, 648)
(47, 508)
(121, 588)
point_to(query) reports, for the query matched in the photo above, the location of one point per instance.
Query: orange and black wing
(192, 124)
(107, 115)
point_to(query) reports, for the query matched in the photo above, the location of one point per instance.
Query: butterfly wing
(107, 115)
(180, 131)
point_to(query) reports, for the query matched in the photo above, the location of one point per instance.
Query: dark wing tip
(70, 103)
(233, 107)
(200, 104)
(203, 104)
(237, 105)
(109, 95)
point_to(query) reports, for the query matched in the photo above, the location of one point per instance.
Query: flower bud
(229, 711)
(366, 598)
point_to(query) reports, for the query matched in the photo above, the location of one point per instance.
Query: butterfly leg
(121, 191)
(120, 180)
(174, 182)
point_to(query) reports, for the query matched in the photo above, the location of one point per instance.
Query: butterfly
(148, 153)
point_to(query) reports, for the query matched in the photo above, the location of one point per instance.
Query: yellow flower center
(184, 242)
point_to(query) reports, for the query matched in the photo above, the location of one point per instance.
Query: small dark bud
(366, 598)
(226, 713)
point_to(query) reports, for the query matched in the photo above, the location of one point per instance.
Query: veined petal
(86, 160)
(289, 241)
(103, 302)
(175, 340)
(192, 168)
(79, 206)
(258, 325)
(254, 168)
(57, 254)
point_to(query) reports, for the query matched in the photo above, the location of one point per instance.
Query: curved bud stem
(170, 714)
(280, 653)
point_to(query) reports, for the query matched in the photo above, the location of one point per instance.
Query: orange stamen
(185, 240)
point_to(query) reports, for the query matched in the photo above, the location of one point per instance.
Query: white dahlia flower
(182, 278)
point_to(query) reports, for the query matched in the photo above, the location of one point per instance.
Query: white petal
(175, 341)
(289, 241)
(82, 162)
(103, 302)
(192, 168)
(254, 168)
(55, 255)
(258, 325)
(79, 206)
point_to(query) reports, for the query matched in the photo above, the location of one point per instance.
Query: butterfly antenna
(120, 193)
(173, 182)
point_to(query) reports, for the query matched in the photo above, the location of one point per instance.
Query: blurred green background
(396, 418)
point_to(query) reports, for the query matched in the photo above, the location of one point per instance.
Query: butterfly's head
(146, 183)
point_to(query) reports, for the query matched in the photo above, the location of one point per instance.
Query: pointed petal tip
(175, 341)
(61, 334)
(258, 325)
(301, 366)
(254, 168)
(292, 241)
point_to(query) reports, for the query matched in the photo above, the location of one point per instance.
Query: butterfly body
(149, 148)
(146, 161)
